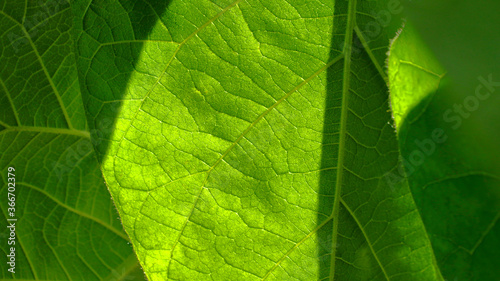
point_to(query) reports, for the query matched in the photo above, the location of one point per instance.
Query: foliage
(246, 140)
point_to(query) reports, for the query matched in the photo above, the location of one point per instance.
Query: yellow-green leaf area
(250, 140)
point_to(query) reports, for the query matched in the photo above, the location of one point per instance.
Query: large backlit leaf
(250, 139)
(67, 227)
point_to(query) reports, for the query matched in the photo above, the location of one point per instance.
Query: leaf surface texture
(250, 139)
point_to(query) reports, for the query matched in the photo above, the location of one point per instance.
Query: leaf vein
(347, 49)
(78, 212)
(44, 68)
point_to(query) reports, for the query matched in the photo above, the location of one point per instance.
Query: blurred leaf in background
(445, 102)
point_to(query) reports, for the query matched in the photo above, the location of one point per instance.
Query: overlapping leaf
(446, 134)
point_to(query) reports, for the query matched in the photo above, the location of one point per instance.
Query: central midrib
(347, 50)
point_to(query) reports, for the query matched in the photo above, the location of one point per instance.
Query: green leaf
(461, 35)
(66, 226)
(414, 73)
(251, 139)
(446, 137)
